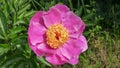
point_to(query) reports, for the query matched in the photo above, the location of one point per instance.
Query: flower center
(56, 35)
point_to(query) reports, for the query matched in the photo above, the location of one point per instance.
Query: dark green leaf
(3, 24)
(2, 58)
(22, 39)
(20, 64)
(1, 37)
(11, 60)
(32, 63)
(88, 16)
(4, 48)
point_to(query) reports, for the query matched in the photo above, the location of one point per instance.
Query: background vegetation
(102, 19)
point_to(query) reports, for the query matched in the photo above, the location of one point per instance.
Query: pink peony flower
(57, 35)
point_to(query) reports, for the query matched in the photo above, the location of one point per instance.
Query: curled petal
(74, 47)
(52, 17)
(35, 49)
(62, 8)
(46, 49)
(36, 28)
(74, 24)
(53, 56)
(83, 43)
(54, 59)
(59, 53)
(73, 60)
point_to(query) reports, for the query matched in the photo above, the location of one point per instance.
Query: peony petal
(73, 60)
(59, 53)
(83, 43)
(35, 50)
(74, 47)
(46, 49)
(74, 35)
(70, 50)
(52, 17)
(54, 59)
(73, 24)
(52, 53)
(36, 28)
(62, 8)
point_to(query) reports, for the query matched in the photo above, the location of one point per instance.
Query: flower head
(57, 35)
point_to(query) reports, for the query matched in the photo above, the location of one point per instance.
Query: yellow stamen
(56, 35)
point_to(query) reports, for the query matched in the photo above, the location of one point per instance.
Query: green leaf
(2, 58)
(21, 16)
(22, 39)
(71, 5)
(29, 13)
(4, 48)
(32, 63)
(79, 11)
(6, 8)
(20, 64)
(90, 23)
(15, 31)
(35, 2)
(1, 37)
(90, 15)
(3, 24)
(84, 59)
(44, 61)
(11, 60)
(19, 22)
(27, 6)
